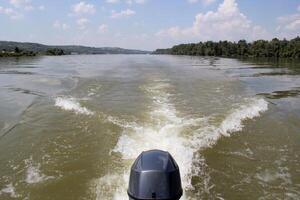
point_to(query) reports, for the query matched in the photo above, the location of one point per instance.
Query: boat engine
(154, 175)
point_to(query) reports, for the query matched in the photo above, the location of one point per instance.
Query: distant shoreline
(19, 49)
(242, 49)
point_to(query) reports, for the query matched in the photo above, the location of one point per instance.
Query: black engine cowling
(155, 175)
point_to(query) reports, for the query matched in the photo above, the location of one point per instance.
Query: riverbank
(257, 49)
(15, 49)
(17, 54)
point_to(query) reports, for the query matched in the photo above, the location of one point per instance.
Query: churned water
(71, 126)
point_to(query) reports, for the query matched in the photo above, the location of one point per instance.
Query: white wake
(167, 131)
(72, 104)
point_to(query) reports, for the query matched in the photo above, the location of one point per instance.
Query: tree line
(17, 52)
(261, 48)
(41, 49)
(55, 52)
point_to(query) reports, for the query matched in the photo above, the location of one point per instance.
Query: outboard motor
(155, 175)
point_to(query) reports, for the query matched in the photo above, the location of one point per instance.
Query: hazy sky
(146, 24)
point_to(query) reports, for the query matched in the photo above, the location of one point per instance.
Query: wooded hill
(35, 48)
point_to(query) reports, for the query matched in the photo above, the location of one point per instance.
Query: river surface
(71, 126)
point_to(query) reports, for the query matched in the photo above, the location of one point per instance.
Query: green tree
(17, 50)
(261, 48)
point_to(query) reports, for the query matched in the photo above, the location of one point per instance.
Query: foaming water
(209, 134)
(33, 173)
(233, 121)
(10, 190)
(72, 104)
(165, 131)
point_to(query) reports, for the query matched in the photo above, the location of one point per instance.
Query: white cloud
(135, 1)
(102, 28)
(289, 22)
(82, 22)
(226, 23)
(112, 1)
(19, 3)
(123, 13)
(41, 7)
(206, 2)
(22, 4)
(26, 5)
(289, 25)
(28, 8)
(126, 1)
(193, 1)
(83, 8)
(172, 32)
(13, 14)
(58, 25)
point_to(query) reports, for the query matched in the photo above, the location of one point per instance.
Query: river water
(71, 126)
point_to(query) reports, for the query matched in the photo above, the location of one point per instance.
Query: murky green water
(71, 126)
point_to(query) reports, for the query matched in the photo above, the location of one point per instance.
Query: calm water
(71, 126)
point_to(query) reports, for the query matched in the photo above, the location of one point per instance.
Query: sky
(146, 24)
